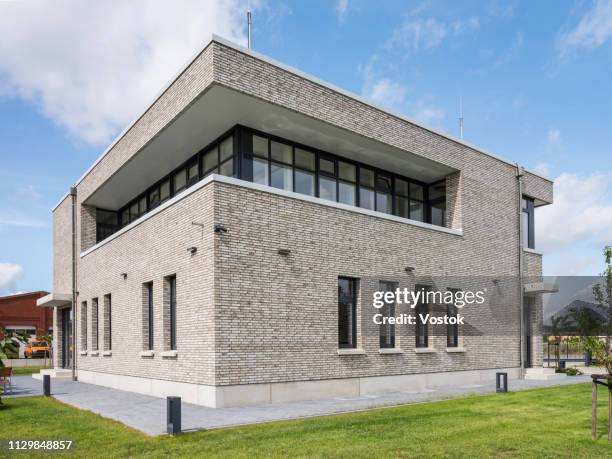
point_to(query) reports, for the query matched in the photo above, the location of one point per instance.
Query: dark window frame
(242, 168)
(150, 316)
(421, 330)
(452, 330)
(352, 332)
(172, 306)
(527, 208)
(388, 310)
(108, 309)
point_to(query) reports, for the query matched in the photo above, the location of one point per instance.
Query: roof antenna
(249, 28)
(461, 117)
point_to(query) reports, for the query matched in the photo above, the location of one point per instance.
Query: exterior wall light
(124, 275)
(284, 252)
(409, 269)
(192, 250)
(219, 228)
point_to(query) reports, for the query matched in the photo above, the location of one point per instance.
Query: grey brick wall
(149, 252)
(246, 315)
(277, 316)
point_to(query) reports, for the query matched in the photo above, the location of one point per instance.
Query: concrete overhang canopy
(219, 109)
(54, 300)
(535, 288)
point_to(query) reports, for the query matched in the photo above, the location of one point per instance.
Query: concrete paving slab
(148, 414)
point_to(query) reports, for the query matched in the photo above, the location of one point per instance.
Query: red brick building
(19, 312)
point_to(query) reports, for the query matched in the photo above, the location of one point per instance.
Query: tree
(9, 344)
(48, 338)
(586, 323)
(603, 295)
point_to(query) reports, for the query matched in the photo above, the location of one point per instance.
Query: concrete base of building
(54, 373)
(259, 394)
(543, 374)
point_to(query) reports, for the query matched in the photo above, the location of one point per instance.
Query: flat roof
(293, 70)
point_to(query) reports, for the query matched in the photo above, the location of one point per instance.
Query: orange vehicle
(36, 349)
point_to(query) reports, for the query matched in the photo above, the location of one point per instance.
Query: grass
(552, 422)
(21, 371)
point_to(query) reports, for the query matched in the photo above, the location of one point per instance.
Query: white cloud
(543, 169)
(593, 29)
(91, 67)
(553, 136)
(341, 8)
(581, 212)
(9, 273)
(387, 92)
(416, 34)
(18, 220)
(428, 114)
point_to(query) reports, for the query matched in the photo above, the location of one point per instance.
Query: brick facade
(246, 314)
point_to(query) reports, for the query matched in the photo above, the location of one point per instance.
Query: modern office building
(227, 243)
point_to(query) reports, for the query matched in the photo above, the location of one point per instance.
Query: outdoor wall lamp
(409, 269)
(219, 228)
(192, 250)
(284, 252)
(124, 275)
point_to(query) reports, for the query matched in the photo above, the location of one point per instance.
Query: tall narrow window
(366, 188)
(94, 324)
(383, 194)
(260, 160)
(387, 330)
(402, 199)
(108, 323)
(452, 330)
(281, 168)
(170, 302)
(84, 326)
(422, 337)
(327, 179)
(147, 315)
(347, 176)
(527, 215)
(305, 172)
(347, 312)
(437, 203)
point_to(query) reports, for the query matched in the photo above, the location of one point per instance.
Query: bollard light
(501, 382)
(173, 415)
(47, 385)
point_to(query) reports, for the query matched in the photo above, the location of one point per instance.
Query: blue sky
(534, 78)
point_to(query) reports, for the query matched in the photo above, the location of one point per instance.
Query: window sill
(455, 350)
(93, 353)
(107, 353)
(144, 354)
(535, 252)
(425, 350)
(169, 354)
(351, 351)
(390, 350)
(83, 353)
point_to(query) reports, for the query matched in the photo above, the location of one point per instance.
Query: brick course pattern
(247, 315)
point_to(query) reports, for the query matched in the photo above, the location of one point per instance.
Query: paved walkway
(148, 414)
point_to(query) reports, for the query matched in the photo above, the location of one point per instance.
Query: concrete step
(54, 373)
(543, 374)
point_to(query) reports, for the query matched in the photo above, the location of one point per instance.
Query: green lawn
(20, 371)
(551, 422)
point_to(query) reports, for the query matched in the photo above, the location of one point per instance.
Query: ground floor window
(347, 312)
(387, 330)
(452, 330)
(422, 336)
